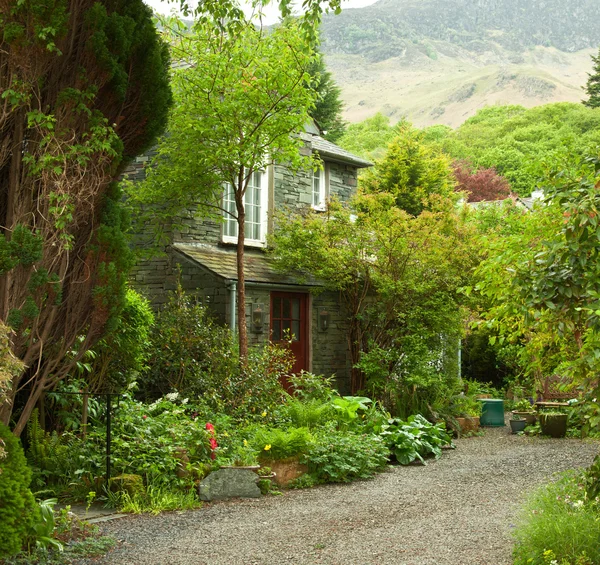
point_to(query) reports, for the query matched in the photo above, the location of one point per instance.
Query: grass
(558, 526)
(154, 500)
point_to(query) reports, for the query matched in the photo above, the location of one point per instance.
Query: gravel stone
(459, 510)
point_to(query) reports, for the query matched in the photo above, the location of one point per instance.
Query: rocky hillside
(439, 61)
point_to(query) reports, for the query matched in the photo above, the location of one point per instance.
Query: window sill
(232, 241)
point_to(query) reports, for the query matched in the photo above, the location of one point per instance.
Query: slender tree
(328, 106)
(83, 86)
(593, 84)
(241, 99)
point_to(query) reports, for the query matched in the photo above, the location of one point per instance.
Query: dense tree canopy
(541, 277)
(411, 171)
(398, 277)
(83, 86)
(522, 144)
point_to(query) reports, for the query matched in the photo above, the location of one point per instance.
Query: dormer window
(255, 205)
(319, 192)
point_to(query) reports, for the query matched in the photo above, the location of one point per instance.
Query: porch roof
(259, 267)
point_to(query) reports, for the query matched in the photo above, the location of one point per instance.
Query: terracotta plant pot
(286, 470)
(529, 417)
(468, 424)
(554, 425)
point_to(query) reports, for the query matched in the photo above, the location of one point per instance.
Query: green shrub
(275, 443)
(308, 386)
(197, 357)
(308, 414)
(558, 523)
(415, 439)
(18, 510)
(340, 457)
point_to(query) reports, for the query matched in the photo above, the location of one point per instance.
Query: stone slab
(229, 483)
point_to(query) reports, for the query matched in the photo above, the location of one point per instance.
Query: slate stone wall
(330, 353)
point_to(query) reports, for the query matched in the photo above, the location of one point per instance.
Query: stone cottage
(203, 252)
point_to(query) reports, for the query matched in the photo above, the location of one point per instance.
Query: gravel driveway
(455, 511)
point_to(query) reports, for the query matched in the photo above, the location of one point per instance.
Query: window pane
(286, 308)
(295, 309)
(285, 329)
(277, 308)
(276, 330)
(296, 330)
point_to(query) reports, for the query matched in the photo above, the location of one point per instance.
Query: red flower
(210, 428)
(144, 416)
(213, 443)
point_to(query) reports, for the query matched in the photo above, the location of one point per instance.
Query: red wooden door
(289, 323)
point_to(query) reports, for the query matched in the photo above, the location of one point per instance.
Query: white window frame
(319, 189)
(256, 221)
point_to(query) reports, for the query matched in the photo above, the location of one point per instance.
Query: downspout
(232, 305)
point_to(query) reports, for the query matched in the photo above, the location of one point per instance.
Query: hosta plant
(415, 438)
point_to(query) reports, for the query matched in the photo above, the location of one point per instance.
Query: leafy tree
(398, 277)
(328, 106)
(370, 137)
(84, 87)
(240, 100)
(411, 171)
(593, 84)
(523, 145)
(543, 278)
(480, 185)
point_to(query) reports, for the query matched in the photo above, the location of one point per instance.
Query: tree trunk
(241, 284)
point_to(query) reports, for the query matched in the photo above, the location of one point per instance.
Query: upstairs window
(255, 206)
(319, 192)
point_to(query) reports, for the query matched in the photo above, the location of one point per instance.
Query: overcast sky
(271, 12)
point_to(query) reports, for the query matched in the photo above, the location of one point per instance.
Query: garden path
(459, 510)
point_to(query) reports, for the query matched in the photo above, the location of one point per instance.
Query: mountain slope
(438, 61)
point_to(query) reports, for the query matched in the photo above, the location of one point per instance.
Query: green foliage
(122, 353)
(197, 357)
(464, 406)
(592, 86)
(341, 457)
(43, 528)
(558, 519)
(592, 481)
(398, 277)
(411, 172)
(308, 386)
(327, 111)
(96, 94)
(370, 137)
(415, 438)
(275, 443)
(9, 366)
(308, 413)
(524, 144)
(541, 282)
(18, 511)
(155, 499)
(191, 354)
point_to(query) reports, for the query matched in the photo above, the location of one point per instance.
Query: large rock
(229, 483)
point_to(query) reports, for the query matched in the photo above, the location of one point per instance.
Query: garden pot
(517, 426)
(468, 424)
(286, 470)
(554, 425)
(529, 417)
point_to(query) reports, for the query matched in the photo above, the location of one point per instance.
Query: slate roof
(333, 152)
(259, 267)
